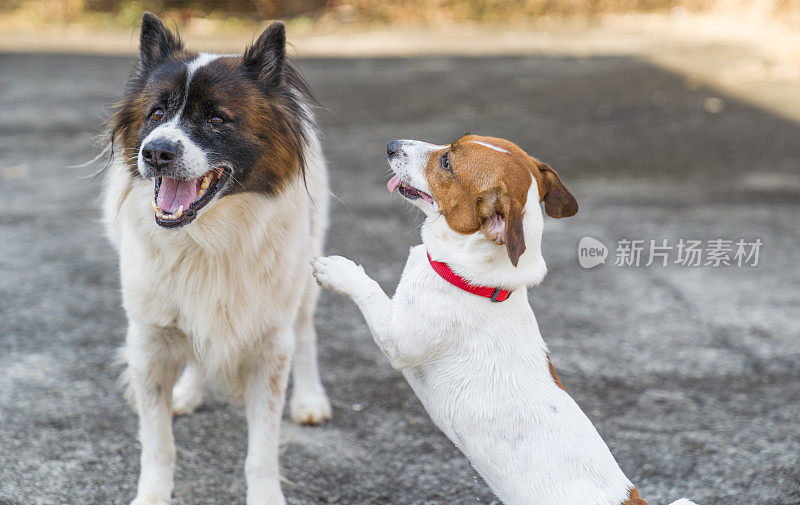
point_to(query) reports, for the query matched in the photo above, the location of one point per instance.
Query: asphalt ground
(691, 374)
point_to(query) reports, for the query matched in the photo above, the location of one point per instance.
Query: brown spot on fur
(276, 379)
(553, 373)
(634, 498)
(485, 183)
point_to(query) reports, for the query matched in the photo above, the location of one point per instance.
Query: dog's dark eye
(216, 120)
(157, 115)
(445, 161)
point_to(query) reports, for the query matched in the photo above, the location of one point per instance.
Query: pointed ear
(558, 201)
(500, 218)
(265, 58)
(156, 42)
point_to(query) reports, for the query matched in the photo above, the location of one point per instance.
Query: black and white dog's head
(204, 126)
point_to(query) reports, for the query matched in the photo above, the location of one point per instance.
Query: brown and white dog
(460, 328)
(215, 199)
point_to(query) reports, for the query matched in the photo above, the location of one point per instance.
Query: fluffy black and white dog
(216, 198)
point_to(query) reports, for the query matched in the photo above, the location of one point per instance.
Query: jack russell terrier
(460, 328)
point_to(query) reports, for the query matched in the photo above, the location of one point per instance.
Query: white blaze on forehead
(193, 160)
(202, 60)
(490, 146)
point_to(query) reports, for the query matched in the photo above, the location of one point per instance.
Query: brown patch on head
(634, 498)
(262, 137)
(485, 188)
(553, 373)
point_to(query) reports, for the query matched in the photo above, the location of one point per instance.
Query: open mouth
(407, 191)
(177, 201)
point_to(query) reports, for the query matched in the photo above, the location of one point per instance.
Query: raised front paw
(338, 274)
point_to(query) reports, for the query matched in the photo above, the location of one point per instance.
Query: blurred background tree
(127, 12)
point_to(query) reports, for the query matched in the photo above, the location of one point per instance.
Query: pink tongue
(176, 192)
(393, 184)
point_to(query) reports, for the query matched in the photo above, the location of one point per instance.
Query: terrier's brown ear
(500, 218)
(558, 201)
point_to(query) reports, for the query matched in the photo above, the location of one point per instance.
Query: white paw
(185, 400)
(337, 273)
(264, 491)
(187, 394)
(310, 408)
(268, 500)
(149, 501)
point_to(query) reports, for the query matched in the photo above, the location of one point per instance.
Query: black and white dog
(216, 198)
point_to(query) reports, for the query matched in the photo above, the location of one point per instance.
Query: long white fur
(231, 296)
(481, 368)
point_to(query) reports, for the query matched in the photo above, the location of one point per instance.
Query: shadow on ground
(692, 375)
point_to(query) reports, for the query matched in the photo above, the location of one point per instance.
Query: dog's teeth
(160, 214)
(206, 182)
(200, 194)
(155, 207)
(179, 213)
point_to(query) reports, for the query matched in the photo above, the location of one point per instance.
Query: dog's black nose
(392, 148)
(160, 153)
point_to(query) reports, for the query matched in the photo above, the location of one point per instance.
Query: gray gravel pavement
(692, 375)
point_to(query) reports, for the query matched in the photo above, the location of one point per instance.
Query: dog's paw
(264, 491)
(310, 408)
(183, 406)
(337, 273)
(187, 394)
(149, 501)
(267, 500)
(185, 400)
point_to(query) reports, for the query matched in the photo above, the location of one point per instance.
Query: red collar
(495, 294)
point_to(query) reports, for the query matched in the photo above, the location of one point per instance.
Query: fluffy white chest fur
(225, 282)
(231, 297)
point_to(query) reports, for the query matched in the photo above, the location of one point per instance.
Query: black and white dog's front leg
(154, 356)
(265, 379)
(345, 277)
